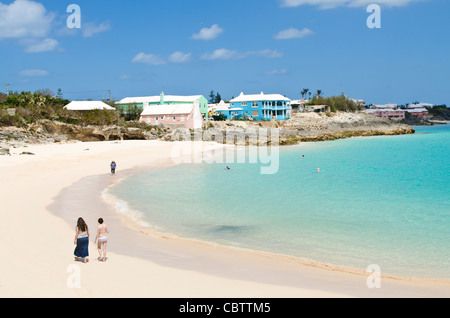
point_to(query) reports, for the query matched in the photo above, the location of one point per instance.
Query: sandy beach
(42, 196)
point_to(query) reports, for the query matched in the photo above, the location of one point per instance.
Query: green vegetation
(32, 107)
(214, 98)
(440, 111)
(129, 112)
(337, 103)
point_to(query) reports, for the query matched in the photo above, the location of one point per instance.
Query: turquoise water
(377, 200)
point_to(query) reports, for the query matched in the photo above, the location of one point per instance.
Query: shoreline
(133, 222)
(232, 272)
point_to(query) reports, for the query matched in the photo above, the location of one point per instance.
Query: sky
(181, 47)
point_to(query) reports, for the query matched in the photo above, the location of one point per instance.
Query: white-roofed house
(88, 106)
(212, 108)
(263, 107)
(388, 112)
(185, 115)
(162, 99)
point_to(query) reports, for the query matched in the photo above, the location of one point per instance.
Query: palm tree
(304, 92)
(319, 92)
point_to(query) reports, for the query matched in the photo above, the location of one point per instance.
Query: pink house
(418, 112)
(388, 111)
(185, 115)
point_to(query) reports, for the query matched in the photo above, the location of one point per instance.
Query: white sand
(36, 243)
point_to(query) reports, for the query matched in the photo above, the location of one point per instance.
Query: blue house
(260, 107)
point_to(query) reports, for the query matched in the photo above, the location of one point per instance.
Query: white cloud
(207, 34)
(271, 54)
(330, 4)
(124, 77)
(148, 59)
(293, 33)
(34, 73)
(179, 57)
(90, 29)
(24, 19)
(39, 46)
(222, 54)
(225, 54)
(277, 72)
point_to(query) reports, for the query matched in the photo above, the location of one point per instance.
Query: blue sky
(140, 48)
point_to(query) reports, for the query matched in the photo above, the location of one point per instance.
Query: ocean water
(376, 200)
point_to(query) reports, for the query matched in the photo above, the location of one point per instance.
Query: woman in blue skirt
(81, 241)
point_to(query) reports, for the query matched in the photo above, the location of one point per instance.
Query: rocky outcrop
(95, 133)
(4, 152)
(303, 127)
(311, 127)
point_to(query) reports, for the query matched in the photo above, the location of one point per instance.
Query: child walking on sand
(102, 238)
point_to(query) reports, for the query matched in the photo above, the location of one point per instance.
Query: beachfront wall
(261, 107)
(141, 102)
(187, 116)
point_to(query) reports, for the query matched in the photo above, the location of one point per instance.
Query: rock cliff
(303, 127)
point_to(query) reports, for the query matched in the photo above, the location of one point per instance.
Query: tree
(304, 92)
(218, 98)
(319, 92)
(45, 92)
(212, 97)
(59, 95)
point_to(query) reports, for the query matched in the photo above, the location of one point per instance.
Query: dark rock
(4, 152)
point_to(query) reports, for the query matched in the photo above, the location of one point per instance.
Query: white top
(82, 235)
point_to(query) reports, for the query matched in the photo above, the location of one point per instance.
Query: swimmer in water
(318, 170)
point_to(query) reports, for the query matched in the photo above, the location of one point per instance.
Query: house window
(255, 104)
(174, 117)
(162, 117)
(244, 104)
(182, 117)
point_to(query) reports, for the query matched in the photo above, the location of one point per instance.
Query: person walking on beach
(81, 241)
(102, 231)
(113, 167)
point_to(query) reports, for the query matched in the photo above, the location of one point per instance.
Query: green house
(130, 103)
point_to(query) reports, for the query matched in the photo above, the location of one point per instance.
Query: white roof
(177, 109)
(157, 99)
(417, 110)
(259, 97)
(299, 102)
(420, 105)
(88, 105)
(370, 111)
(385, 106)
(220, 106)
